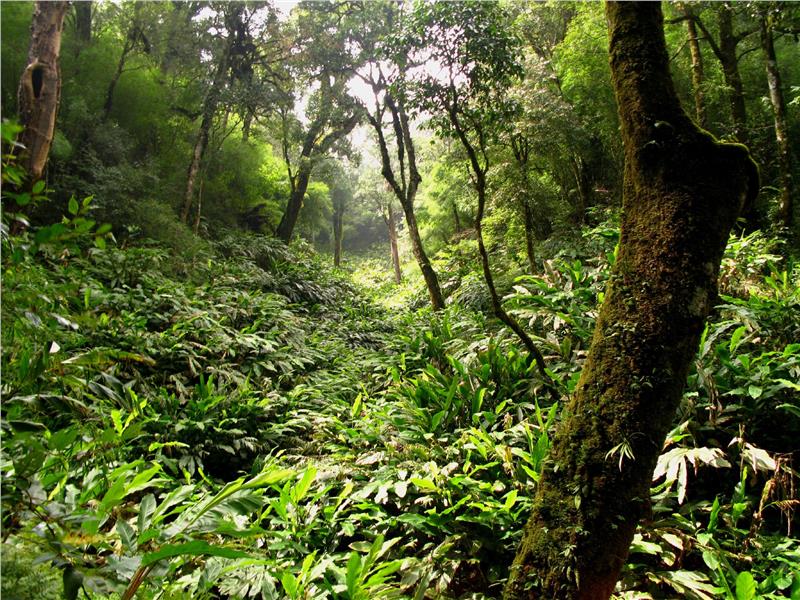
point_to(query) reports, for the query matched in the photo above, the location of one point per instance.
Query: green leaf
(126, 535)
(195, 548)
(289, 583)
(301, 489)
(73, 206)
(38, 187)
(511, 498)
(745, 586)
(353, 573)
(754, 391)
(423, 484)
(736, 338)
(146, 509)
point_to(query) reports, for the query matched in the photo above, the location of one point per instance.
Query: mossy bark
(785, 209)
(682, 194)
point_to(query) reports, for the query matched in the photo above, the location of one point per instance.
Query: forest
(400, 299)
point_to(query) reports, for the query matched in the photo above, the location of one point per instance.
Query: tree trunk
(109, 102)
(391, 223)
(681, 197)
(428, 274)
(405, 189)
(730, 70)
(40, 86)
(456, 217)
(529, 246)
(698, 76)
(289, 220)
(83, 21)
(208, 111)
(338, 218)
(785, 208)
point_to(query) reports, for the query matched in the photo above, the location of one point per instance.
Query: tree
(387, 66)
(377, 192)
(683, 191)
(698, 73)
(231, 14)
(725, 48)
(322, 61)
(768, 14)
(40, 86)
(467, 101)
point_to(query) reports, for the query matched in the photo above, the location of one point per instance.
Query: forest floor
(246, 422)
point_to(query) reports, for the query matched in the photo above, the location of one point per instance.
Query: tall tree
(468, 103)
(698, 73)
(39, 88)
(768, 14)
(230, 15)
(683, 191)
(385, 73)
(725, 48)
(324, 63)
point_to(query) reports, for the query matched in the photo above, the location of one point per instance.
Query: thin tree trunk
(39, 89)
(391, 224)
(785, 208)
(209, 110)
(681, 197)
(456, 217)
(698, 75)
(338, 218)
(428, 274)
(479, 183)
(109, 102)
(405, 189)
(529, 245)
(199, 212)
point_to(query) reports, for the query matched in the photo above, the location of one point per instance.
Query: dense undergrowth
(242, 422)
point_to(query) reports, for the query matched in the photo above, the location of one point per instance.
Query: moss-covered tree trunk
(40, 86)
(698, 74)
(785, 209)
(682, 194)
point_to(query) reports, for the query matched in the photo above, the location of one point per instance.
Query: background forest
(297, 304)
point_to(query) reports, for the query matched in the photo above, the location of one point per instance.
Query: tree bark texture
(39, 88)
(785, 208)
(698, 75)
(682, 194)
